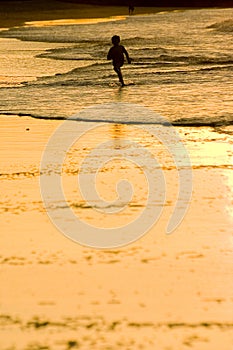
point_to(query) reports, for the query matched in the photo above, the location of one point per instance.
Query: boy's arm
(126, 54)
(109, 55)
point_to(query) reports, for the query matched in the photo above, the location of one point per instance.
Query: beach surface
(168, 292)
(165, 292)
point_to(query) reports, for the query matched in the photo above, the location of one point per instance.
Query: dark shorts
(118, 64)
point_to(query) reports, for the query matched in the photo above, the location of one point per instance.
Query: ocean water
(182, 67)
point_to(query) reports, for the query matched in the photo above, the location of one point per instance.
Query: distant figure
(116, 54)
(131, 8)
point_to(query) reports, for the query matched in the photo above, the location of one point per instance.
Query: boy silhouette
(116, 54)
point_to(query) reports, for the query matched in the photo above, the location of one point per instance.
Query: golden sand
(164, 292)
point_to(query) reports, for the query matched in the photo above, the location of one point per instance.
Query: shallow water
(181, 66)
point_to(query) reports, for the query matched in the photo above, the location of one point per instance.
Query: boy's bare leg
(118, 71)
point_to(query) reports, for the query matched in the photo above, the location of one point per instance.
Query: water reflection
(63, 22)
(117, 132)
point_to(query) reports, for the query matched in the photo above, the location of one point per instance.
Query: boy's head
(116, 39)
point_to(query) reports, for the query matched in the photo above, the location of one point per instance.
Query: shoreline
(16, 13)
(162, 291)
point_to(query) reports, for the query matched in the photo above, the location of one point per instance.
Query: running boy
(116, 54)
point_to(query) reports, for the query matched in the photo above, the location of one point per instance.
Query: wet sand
(163, 292)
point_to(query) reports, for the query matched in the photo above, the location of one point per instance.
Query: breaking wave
(220, 121)
(223, 26)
